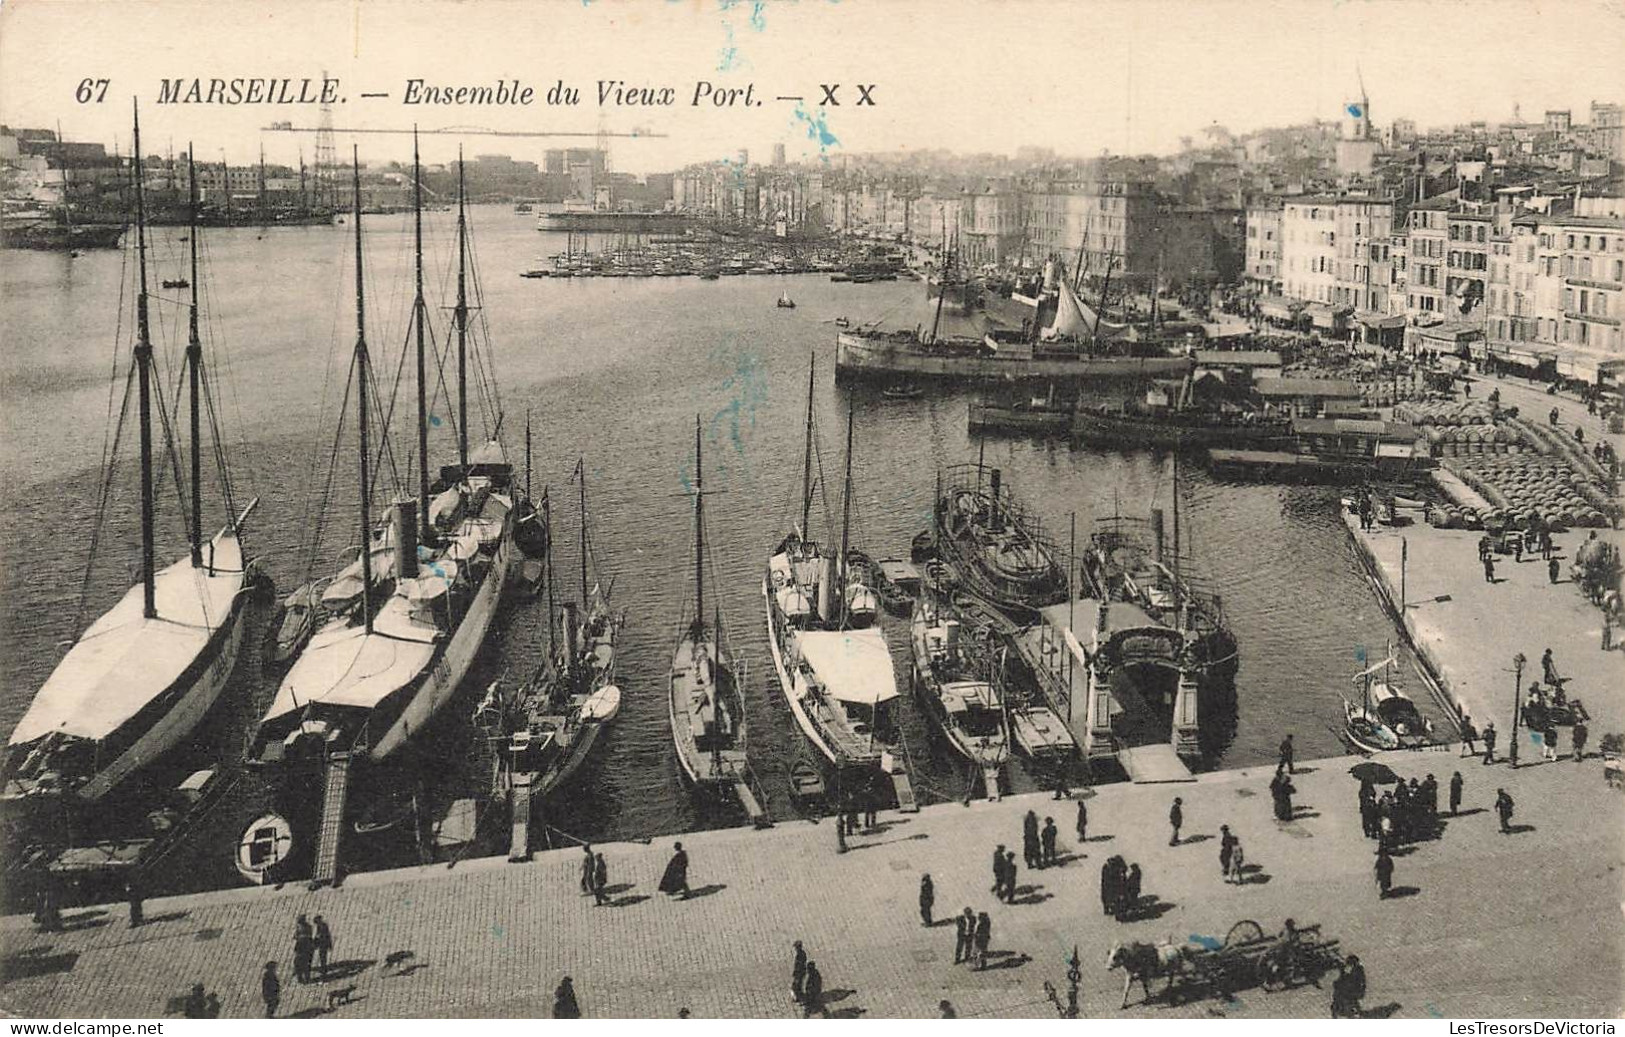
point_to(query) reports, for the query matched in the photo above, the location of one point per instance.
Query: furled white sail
(1075, 319)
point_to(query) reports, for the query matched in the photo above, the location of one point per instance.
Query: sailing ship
(403, 622)
(957, 675)
(707, 700)
(832, 663)
(1385, 717)
(546, 728)
(785, 302)
(999, 547)
(140, 678)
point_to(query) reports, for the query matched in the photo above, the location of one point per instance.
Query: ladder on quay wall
(331, 832)
(519, 797)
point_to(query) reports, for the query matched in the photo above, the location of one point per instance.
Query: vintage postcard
(758, 509)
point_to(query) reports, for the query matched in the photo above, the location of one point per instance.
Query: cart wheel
(1246, 931)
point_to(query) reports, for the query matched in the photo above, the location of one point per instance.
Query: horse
(1147, 961)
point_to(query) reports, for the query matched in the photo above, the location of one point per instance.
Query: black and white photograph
(618, 509)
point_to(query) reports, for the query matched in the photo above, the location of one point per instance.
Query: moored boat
(957, 676)
(1384, 717)
(999, 547)
(139, 679)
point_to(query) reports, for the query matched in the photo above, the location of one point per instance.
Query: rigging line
(172, 450)
(110, 468)
(222, 357)
(332, 473)
(226, 489)
(109, 430)
(312, 503)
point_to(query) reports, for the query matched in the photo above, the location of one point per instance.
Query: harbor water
(613, 371)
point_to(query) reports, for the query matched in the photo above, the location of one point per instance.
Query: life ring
(778, 580)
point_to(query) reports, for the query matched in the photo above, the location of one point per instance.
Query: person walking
(1029, 839)
(945, 1009)
(1083, 825)
(1227, 846)
(1046, 838)
(675, 878)
(1348, 989)
(798, 974)
(304, 945)
(1503, 810)
(1469, 737)
(1131, 894)
(600, 880)
(1489, 569)
(1517, 548)
(1552, 571)
(565, 1005)
(1548, 669)
(1489, 743)
(928, 896)
(589, 865)
(1545, 543)
(998, 870)
(982, 938)
(1108, 887)
(1548, 742)
(324, 944)
(1176, 818)
(1010, 871)
(1385, 872)
(1286, 755)
(964, 928)
(270, 989)
(813, 995)
(132, 896)
(1581, 733)
(1455, 793)
(1238, 862)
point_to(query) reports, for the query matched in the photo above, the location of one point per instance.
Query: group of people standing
(1038, 844)
(1120, 888)
(806, 983)
(1407, 813)
(311, 945)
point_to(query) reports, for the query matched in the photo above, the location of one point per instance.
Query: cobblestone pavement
(1472, 629)
(1488, 924)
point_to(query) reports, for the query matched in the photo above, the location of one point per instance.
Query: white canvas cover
(345, 666)
(126, 660)
(853, 665)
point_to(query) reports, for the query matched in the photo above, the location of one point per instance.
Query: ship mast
(194, 360)
(806, 465)
(361, 364)
(419, 317)
(846, 517)
(143, 363)
(581, 476)
(462, 335)
(699, 531)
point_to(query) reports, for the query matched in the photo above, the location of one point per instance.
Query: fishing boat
(833, 665)
(297, 618)
(707, 700)
(137, 681)
(1384, 717)
(177, 282)
(956, 675)
(406, 619)
(897, 582)
(904, 391)
(785, 302)
(999, 547)
(546, 729)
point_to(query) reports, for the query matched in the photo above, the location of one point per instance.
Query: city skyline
(1098, 77)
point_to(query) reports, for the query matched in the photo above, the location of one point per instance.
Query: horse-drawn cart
(1247, 958)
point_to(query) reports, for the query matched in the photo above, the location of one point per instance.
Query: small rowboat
(805, 781)
(902, 392)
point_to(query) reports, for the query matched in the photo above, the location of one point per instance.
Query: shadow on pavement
(705, 891)
(628, 901)
(1399, 892)
(345, 969)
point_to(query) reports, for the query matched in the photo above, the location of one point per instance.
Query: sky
(1079, 77)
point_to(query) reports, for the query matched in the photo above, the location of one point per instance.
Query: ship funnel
(1156, 534)
(406, 537)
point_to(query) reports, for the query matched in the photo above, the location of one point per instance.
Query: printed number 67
(91, 89)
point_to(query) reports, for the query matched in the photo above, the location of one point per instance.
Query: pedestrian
(982, 938)
(1176, 818)
(1607, 632)
(1029, 839)
(945, 1010)
(1286, 755)
(1385, 872)
(192, 1007)
(1083, 824)
(1131, 893)
(1348, 989)
(589, 865)
(1545, 543)
(813, 995)
(1581, 733)
(1503, 809)
(798, 973)
(1548, 669)
(1227, 846)
(1469, 737)
(1430, 805)
(1108, 888)
(1548, 743)
(1489, 569)
(1455, 793)
(1489, 742)
(871, 803)
(1484, 545)
(600, 881)
(132, 895)
(928, 896)
(1047, 842)
(564, 1000)
(270, 989)
(1370, 823)
(1010, 876)
(304, 944)
(211, 1006)
(675, 878)
(1238, 861)
(998, 870)
(964, 929)
(1552, 570)
(324, 944)
(1281, 789)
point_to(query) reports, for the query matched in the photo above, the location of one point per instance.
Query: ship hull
(580, 749)
(629, 223)
(58, 237)
(1109, 430)
(861, 357)
(435, 687)
(797, 708)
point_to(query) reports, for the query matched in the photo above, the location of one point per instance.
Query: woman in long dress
(675, 878)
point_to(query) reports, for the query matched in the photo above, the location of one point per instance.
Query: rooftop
(1338, 388)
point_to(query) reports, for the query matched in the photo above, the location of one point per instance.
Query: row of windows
(1466, 232)
(1593, 303)
(1582, 241)
(1469, 260)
